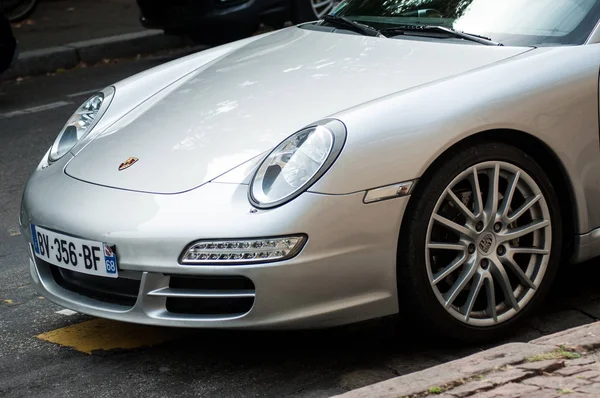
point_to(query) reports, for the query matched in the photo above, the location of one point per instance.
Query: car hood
(248, 101)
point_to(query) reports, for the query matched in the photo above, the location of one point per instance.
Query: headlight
(297, 163)
(81, 123)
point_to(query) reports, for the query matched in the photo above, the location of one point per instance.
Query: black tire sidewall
(302, 12)
(413, 280)
(223, 34)
(23, 13)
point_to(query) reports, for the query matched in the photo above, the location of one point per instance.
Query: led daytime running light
(243, 250)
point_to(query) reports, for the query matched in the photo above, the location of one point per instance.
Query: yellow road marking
(104, 335)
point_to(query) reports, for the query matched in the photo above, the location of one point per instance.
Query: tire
(423, 284)
(18, 11)
(8, 44)
(275, 24)
(303, 11)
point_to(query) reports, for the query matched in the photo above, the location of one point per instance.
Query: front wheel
(481, 242)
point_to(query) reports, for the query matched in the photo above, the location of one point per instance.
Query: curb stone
(586, 336)
(581, 338)
(36, 62)
(449, 372)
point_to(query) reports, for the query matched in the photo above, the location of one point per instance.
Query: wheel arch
(542, 154)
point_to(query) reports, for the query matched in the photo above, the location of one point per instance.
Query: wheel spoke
(491, 299)
(328, 5)
(511, 264)
(450, 268)
(461, 206)
(508, 197)
(524, 208)
(447, 246)
(473, 294)
(477, 199)
(529, 250)
(526, 229)
(321, 3)
(459, 229)
(501, 276)
(460, 284)
(327, 9)
(492, 197)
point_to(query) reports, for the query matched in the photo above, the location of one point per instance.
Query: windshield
(511, 22)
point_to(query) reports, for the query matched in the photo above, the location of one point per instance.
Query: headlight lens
(81, 123)
(295, 164)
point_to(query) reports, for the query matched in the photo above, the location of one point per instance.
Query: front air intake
(208, 295)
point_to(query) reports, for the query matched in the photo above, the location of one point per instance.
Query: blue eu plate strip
(34, 238)
(110, 259)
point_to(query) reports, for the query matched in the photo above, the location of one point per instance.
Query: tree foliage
(448, 8)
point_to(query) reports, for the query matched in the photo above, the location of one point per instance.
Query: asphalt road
(199, 363)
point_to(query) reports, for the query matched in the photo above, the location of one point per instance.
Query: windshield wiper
(402, 29)
(349, 24)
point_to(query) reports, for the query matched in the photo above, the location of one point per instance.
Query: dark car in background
(8, 44)
(222, 20)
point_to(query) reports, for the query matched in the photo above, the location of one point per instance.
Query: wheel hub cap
(487, 243)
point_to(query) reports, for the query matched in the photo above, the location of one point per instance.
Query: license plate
(80, 255)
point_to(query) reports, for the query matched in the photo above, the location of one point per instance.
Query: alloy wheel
(488, 243)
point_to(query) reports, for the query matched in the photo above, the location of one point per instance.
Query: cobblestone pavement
(555, 374)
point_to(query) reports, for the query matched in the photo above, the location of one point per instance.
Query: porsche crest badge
(127, 163)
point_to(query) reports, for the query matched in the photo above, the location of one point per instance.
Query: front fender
(550, 93)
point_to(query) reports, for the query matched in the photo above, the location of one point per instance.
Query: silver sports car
(437, 158)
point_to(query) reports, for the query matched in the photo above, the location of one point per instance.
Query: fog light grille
(224, 296)
(243, 251)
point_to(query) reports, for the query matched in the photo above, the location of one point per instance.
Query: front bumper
(345, 273)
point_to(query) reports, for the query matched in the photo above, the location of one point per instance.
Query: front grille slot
(211, 283)
(109, 290)
(209, 306)
(208, 295)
